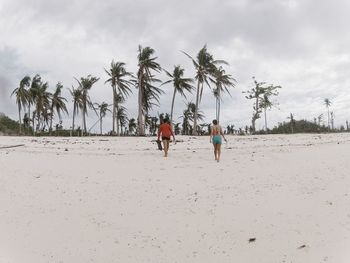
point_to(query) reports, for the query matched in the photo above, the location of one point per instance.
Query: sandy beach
(273, 198)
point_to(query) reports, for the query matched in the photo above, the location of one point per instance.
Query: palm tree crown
(146, 64)
(180, 84)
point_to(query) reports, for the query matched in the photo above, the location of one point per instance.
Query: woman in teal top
(215, 137)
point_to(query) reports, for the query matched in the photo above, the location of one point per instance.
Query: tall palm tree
(146, 64)
(77, 103)
(36, 82)
(205, 66)
(102, 111)
(21, 94)
(42, 105)
(57, 104)
(328, 103)
(180, 84)
(85, 84)
(222, 83)
(120, 85)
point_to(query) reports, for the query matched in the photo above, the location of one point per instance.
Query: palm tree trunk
(84, 119)
(29, 116)
(219, 104)
(51, 117)
(265, 120)
(255, 115)
(172, 107)
(140, 124)
(216, 108)
(74, 112)
(328, 116)
(20, 119)
(117, 119)
(114, 106)
(100, 124)
(196, 110)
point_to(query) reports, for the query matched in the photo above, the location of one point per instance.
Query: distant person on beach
(215, 138)
(166, 132)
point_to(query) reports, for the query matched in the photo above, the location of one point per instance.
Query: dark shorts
(165, 138)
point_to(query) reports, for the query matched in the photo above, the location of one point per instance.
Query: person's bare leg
(219, 151)
(215, 152)
(167, 148)
(164, 148)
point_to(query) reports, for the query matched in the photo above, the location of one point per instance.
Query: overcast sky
(302, 45)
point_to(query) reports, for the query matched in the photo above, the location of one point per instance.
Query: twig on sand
(11, 146)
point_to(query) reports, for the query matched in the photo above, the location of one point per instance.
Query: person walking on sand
(215, 137)
(165, 131)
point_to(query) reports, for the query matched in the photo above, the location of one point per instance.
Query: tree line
(40, 106)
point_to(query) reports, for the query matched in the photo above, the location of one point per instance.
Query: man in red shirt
(166, 131)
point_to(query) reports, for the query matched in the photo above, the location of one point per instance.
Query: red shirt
(165, 130)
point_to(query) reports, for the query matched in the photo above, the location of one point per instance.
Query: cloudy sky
(302, 45)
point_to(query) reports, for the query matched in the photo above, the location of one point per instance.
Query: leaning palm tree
(188, 116)
(122, 117)
(222, 83)
(328, 103)
(21, 94)
(180, 84)
(205, 66)
(77, 103)
(146, 64)
(42, 105)
(57, 104)
(117, 74)
(85, 84)
(102, 112)
(36, 82)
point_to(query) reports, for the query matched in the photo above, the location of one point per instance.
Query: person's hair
(215, 122)
(165, 120)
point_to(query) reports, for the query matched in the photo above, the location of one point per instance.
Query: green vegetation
(8, 126)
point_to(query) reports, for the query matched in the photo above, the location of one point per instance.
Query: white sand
(118, 200)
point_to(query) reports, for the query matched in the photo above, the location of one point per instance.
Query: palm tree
(222, 82)
(205, 66)
(22, 97)
(132, 125)
(77, 103)
(122, 117)
(85, 84)
(266, 104)
(188, 116)
(146, 64)
(36, 82)
(57, 104)
(328, 103)
(180, 85)
(102, 111)
(42, 105)
(116, 74)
